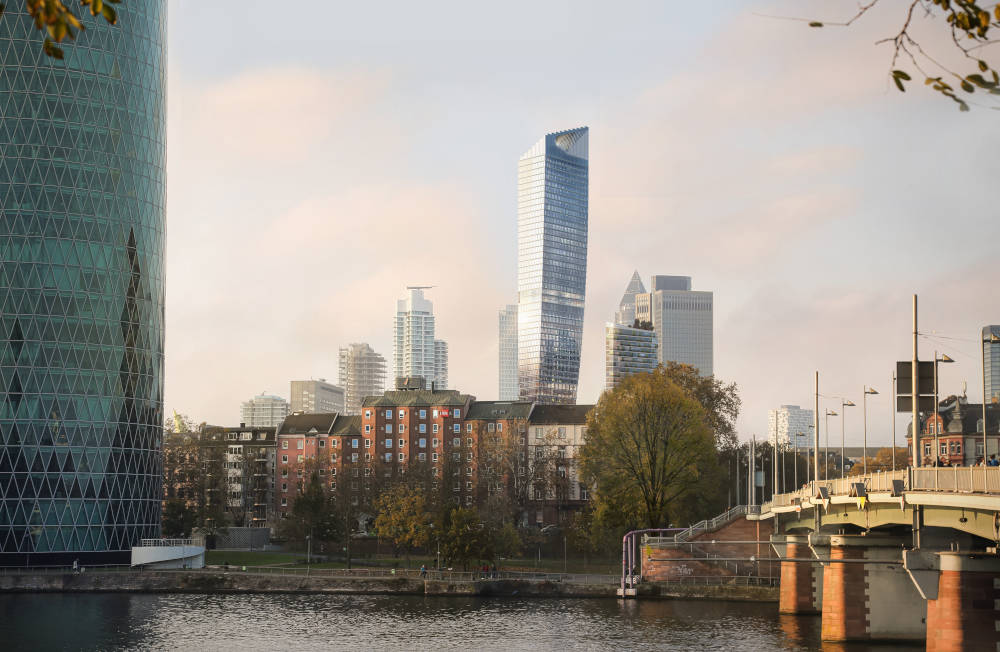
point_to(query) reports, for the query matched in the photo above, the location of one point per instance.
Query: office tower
(416, 354)
(508, 353)
(991, 364)
(792, 425)
(82, 153)
(263, 411)
(627, 351)
(362, 374)
(551, 265)
(311, 396)
(626, 307)
(440, 364)
(682, 319)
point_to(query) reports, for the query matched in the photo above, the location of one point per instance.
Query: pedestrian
(76, 565)
(423, 570)
(993, 460)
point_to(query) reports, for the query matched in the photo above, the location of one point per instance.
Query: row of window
(435, 413)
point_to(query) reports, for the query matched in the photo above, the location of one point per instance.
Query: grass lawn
(249, 558)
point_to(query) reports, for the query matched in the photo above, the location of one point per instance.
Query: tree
(464, 538)
(178, 519)
(721, 402)
(969, 26)
(649, 446)
(313, 514)
(882, 461)
(403, 517)
(60, 23)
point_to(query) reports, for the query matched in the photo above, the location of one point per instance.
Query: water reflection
(308, 622)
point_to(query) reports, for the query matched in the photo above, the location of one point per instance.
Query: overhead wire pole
(892, 418)
(915, 393)
(816, 515)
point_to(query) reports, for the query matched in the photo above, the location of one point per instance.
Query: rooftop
(301, 424)
(499, 410)
(560, 414)
(419, 398)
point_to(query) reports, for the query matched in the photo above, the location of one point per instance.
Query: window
(333, 471)
(284, 444)
(456, 456)
(457, 486)
(402, 413)
(333, 443)
(468, 441)
(368, 472)
(322, 471)
(284, 459)
(468, 485)
(368, 443)
(468, 470)
(490, 427)
(298, 473)
(284, 473)
(354, 457)
(284, 486)
(499, 426)
(368, 414)
(562, 432)
(299, 458)
(284, 501)
(402, 457)
(402, 443)
(354, 473)
(333, 457)
(583, 432)
(434, 428)
(468, 456)
(388, 414)
(434, 472)
(368, 428)
(423, 428)
(538, 433)
(422, 457)
(423, 414)
(457, 428)
(368, 457)
(943, 448)
(468, 427)
(322, 443)
(333, 483)
(434, 457)
(422, 443)
(457, 413)
(388, 428)
(388, 457)
(435, 442)
(456, 442)
(584, 494)
(434, 413)
(388, 443)
(354, 443)
(401, 429)
(300, 444)
(561, 452)
(561, 471)
(927, 450)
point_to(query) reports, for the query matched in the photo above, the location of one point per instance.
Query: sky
(322, 158)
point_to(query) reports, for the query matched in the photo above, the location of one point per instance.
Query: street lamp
(864, 408)
(844, 403)
(992, 339)
(826, 449)
(937, 424)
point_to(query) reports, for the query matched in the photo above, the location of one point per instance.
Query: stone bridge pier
(963, 606)
(801, 583)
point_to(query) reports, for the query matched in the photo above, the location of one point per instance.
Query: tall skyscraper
(682, 319)
(627, 351)
(82, 154)
(316, 396)
(991, 364)
(362, 374)
(508, 353)
(792, 424)
(415, 351)
(263, 411)
(626, 307)
(552, 195)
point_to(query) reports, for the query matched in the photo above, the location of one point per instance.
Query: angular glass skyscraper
(552, 185)
(81, 288)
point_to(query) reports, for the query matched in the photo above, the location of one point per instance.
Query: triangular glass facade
(81, 287)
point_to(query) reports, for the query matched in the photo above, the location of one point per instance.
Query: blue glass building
(81, 288)
(552, 265)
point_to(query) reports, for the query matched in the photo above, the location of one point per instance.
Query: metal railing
(707, 525)
(961, 479)
(721, 580)
(168, 543)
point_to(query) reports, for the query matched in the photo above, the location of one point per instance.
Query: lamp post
(864, 408)
(826, 449)
(844, 403)
(937, 424)
(892, 417)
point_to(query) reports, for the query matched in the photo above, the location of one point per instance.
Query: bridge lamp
(864, 408)
(992, 339)
(826, 449)
(937, 423)
(844, 403)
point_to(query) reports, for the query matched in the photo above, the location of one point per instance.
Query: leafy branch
(60, 23)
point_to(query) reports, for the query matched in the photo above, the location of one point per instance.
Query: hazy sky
(322, 158)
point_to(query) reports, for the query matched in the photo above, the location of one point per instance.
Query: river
(114, 621)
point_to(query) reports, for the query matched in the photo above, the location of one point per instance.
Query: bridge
(909, 554)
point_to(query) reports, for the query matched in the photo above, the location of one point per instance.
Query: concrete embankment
(249, 582)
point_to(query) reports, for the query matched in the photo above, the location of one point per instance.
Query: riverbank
(251, 582)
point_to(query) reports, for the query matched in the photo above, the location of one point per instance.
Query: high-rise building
(991, 364)
(627, 351)
(263, 411)
(792, 425)
(682, 319)
(82, 154)
(552, 195)
(508, 353)
(440, 364)
(311, 396)
(362, 374)
(626, 307)
(415, 351)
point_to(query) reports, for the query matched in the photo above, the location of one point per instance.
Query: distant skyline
(309, 179)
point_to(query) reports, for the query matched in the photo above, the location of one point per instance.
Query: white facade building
(792, 425)
(415, 351)
(627, 351)
(682, 319)
(508, 353)
(362, 374)
(316, 396)
(264, 410)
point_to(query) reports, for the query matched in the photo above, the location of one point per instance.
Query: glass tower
(552, 265)
(81, 288)
(508, 353)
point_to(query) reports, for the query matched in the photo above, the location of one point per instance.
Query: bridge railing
(711, 524)
(965, 479)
